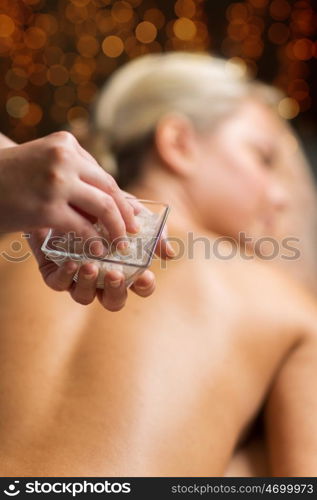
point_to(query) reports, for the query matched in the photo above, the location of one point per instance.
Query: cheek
(247, 192)
(241, 185)
(236, 197)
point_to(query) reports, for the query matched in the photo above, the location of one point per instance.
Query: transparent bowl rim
(59, 253)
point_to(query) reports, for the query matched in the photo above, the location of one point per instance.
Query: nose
(278, 197)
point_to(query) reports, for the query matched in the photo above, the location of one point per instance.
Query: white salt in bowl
(60, 247)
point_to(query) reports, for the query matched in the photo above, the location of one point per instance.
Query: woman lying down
(173, 387)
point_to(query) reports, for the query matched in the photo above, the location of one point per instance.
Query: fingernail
(115, 283)
(135, 228)
(124, 247)
(144, 287)
(170, 250)
(97, 248)
(89, 276)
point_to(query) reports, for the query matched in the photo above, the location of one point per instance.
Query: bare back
(168, 386)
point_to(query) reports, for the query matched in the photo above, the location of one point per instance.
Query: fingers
(164, 249)
(127, 211)
(72, 221)
(84, 290)
(57, 278)
(114, 295)
(35, 241)
(93, 201)
(144, 285)
(135, 204)
(91, 173)
(84, 153)
(94, 175)
(105, 177)
(73, 161)
(61, 278)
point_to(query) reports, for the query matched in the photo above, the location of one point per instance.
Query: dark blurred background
(55, 54)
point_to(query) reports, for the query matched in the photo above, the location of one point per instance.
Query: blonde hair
(205, 89)
(201, 87)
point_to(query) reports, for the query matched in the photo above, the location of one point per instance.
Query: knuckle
(55, 175)
(120, 230)
(112, 185)
(63, 137)
(60, 146)
(107, 203)
(59, 153)
(129, 209)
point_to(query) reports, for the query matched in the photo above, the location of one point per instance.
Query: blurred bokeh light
(55, 54)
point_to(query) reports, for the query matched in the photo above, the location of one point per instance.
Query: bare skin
(170, 389)
(87, 394)
(249, 460)
(61, 278)
(57, 180)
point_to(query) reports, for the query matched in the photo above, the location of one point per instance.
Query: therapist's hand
(114, 295)
(54, 182)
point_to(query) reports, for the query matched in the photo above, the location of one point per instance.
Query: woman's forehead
(255, 119)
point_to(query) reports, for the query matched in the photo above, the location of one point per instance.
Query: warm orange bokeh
(58, 57)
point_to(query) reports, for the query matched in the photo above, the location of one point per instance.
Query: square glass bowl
(60, 247)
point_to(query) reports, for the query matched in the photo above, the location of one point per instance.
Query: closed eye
(266, 156)
(267, 160)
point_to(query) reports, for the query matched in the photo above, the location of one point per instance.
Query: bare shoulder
(272, 293)
(253, 291)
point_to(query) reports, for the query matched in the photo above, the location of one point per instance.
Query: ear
(177, 145)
